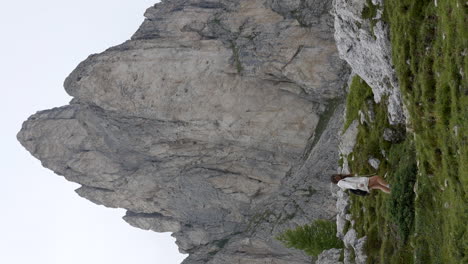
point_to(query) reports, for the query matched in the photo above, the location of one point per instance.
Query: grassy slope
(384, 219)
(430, 46)
(430, 53)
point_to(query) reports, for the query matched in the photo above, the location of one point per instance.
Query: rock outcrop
(362, 38)
(331, 256)
(218, 121)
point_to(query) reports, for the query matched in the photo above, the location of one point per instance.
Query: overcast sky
(42, 219)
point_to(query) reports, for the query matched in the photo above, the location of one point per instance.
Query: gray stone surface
(362, 117)
(340, 225)
(343, 217)
(366, 47)
(360, 251)
(357, 246)
(350, 238)
(331, 256)
(342, 208)
(368, 116)
(375, 163)
(348, 139)
(218, 121)
(347, 257)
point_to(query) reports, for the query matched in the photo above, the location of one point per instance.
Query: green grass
(356, 100)
(428, 44)
(425, 222)
(403, 175)
(384, 219)
(369, 12)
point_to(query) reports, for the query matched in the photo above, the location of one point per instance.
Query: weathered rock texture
(365, 44)
(331, 256)
(218, 121)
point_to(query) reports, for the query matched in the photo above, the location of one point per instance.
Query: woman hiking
(349, 181)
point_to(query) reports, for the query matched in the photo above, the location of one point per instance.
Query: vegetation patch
(359, 93)
(375, 214)
(430, 46)
(313, 238)
(401, 203)
(424, 219)
(369, 12)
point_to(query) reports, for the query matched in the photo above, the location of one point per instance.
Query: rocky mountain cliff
(218, 121)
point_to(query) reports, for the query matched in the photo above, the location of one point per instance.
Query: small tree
(313, 238)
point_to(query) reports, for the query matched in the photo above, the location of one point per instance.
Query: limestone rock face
(218, 121)
(363, 41)
(331, 256)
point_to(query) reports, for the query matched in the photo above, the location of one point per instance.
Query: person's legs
(375, 182)
(384, 189)
(381, 181)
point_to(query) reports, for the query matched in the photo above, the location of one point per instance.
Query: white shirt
(356, 183)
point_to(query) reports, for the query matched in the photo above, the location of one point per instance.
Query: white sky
(42, 219)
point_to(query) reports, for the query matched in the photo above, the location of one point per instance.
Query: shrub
(401, 204)
(312, 238)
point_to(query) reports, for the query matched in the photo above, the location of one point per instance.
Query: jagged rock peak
(218, 121)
